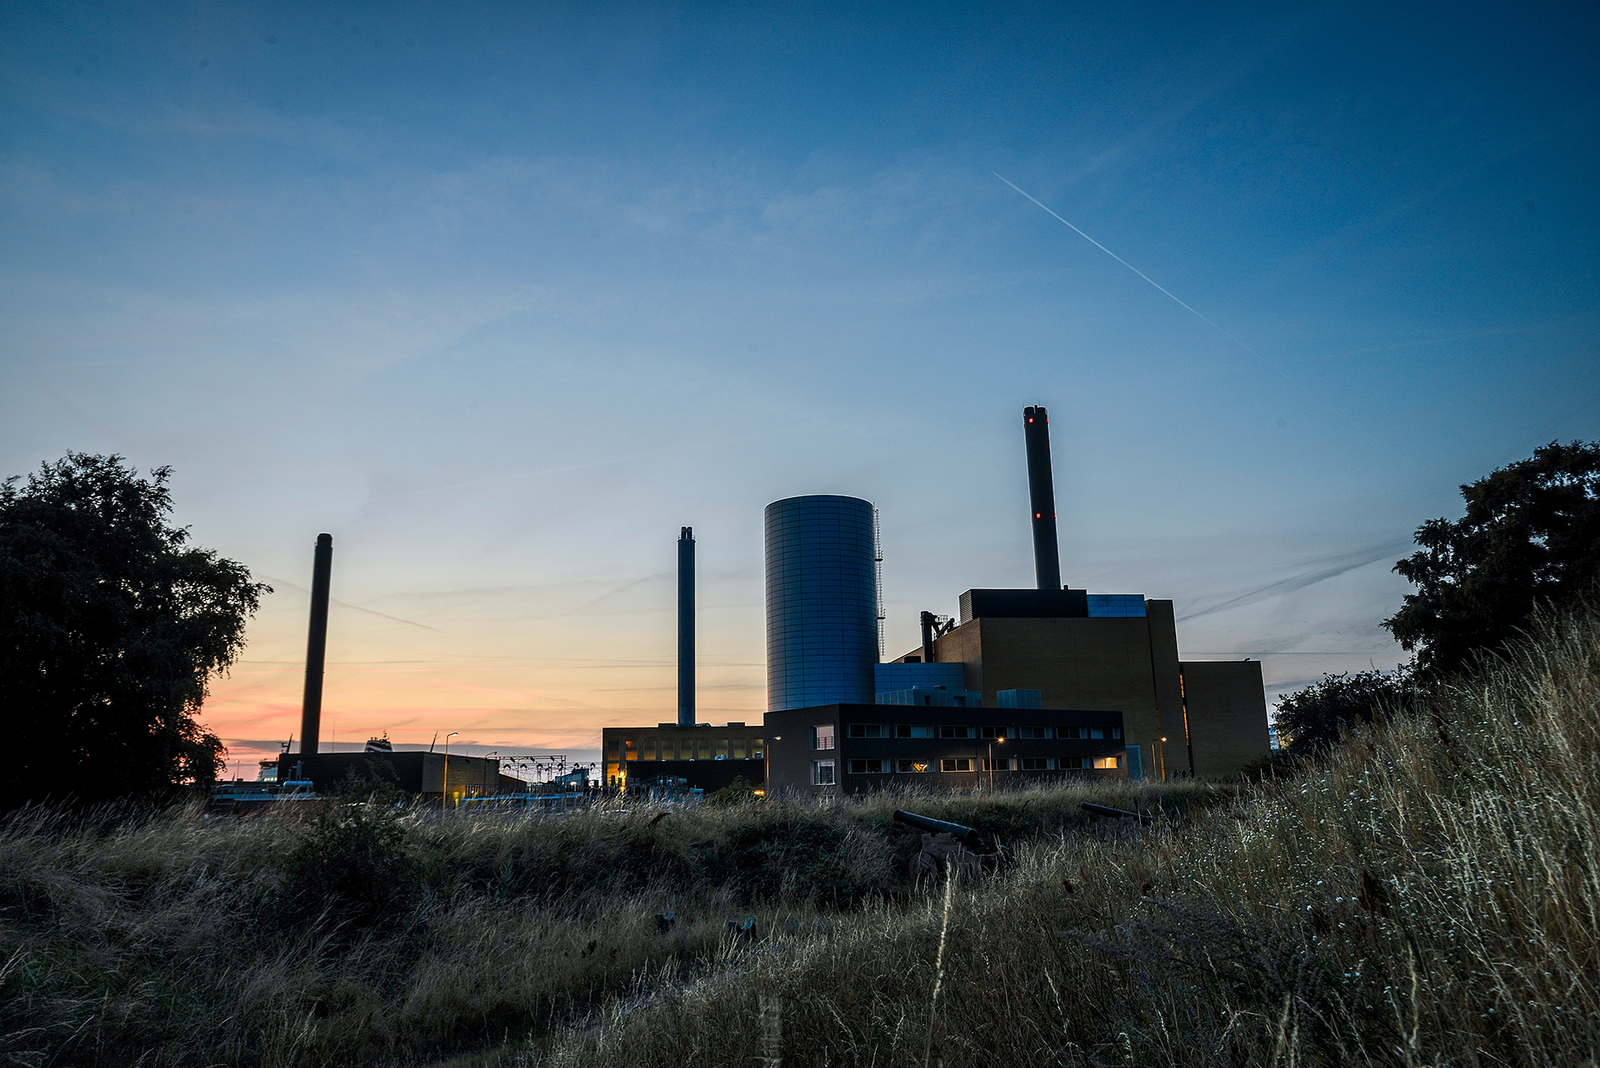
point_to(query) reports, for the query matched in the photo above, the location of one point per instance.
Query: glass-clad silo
(822, 601)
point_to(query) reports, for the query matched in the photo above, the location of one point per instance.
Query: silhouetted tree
(1313, 718)
(110, 627)
(1531, 537)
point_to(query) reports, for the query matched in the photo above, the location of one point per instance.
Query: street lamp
(1002, 741)
(447, 738)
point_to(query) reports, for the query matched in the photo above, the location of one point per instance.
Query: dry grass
(1430, 897)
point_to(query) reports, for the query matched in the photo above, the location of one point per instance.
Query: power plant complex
(1027, 684)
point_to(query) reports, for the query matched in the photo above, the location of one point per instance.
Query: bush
(736, 792)
(786, 859)
(351, 868)
(1312, 719)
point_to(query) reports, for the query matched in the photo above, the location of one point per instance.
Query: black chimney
(927, 620)
(1042, 497)
(316, 645)
(686, 627)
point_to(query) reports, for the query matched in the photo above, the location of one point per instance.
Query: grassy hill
(1429, 897)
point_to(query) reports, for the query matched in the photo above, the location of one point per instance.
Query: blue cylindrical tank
(822, 601)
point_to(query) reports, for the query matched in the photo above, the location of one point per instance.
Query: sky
(501, 296)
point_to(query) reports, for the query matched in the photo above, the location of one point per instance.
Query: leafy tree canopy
(111, 625)
(1313, 718)
(1531, 536)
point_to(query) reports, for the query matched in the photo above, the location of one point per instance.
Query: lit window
(911, 767)
(632, 752)
(955, 764)
(822, 736)
(1108, 763)
(822, 773)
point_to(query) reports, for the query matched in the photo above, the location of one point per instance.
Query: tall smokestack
(316, 644)
(1042, 498)
(686, 627)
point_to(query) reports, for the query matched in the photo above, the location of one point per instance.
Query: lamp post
(1002, 741)
(447, 738)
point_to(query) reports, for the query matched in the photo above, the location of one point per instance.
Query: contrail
(1327, 569)
(346, 604)
(1131, 267)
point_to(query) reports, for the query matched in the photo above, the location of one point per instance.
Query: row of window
(689, 749)
(822, 735)
(823, 771)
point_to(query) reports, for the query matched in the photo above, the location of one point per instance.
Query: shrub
(351, 868)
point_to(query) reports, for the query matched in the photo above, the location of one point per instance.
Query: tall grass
(364, 934)
(1428, 897)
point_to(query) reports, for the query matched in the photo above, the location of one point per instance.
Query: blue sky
(501, 296)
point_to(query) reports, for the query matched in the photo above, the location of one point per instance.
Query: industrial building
(1083, 654)
(427, 775)
(438, 776)
(855, 748)
(697, 756)
(687, 754)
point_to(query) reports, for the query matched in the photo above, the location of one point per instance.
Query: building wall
(792, 747)
(701, 754)
(822, 601)
(409, 770)
(1227, 715)
(1127, 665)
(901, 675)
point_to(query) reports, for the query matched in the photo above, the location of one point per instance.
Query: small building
(702, 756)
(856, 748)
